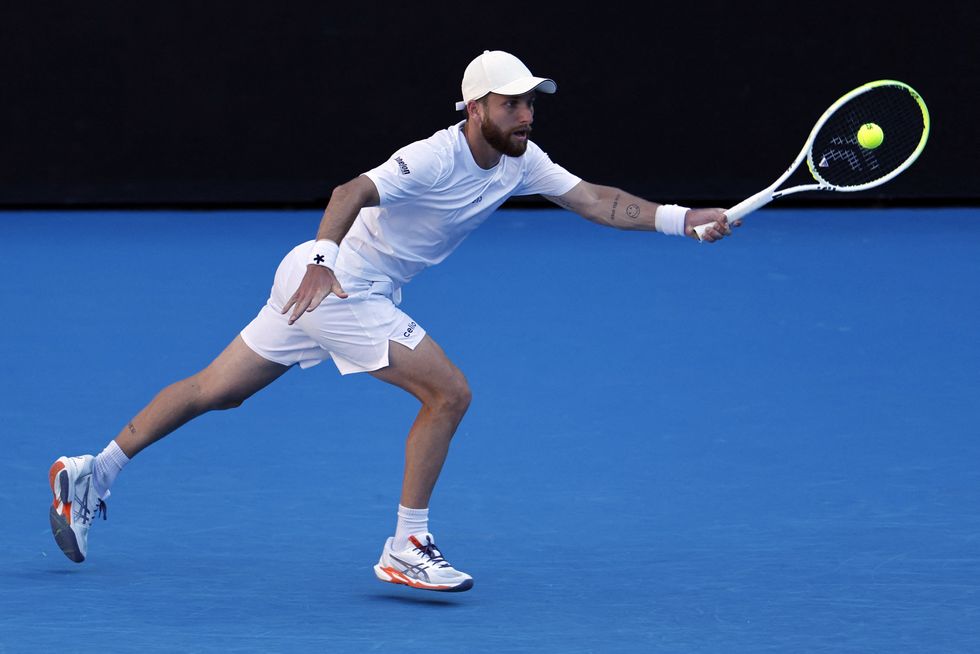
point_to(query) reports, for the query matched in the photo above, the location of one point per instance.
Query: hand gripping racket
(834, 155)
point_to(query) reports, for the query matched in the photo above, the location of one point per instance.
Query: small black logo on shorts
(403, 166)
(318, 258)
(478, 200)
(411, 328)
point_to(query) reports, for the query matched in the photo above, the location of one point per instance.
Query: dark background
(272, 104)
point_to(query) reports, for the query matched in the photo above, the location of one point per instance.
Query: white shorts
(354, 332)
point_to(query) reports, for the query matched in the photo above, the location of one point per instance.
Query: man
(337, 297)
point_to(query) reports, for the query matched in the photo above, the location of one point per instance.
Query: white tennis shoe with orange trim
(76, 504)
(421, 565)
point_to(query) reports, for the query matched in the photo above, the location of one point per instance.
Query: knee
(214, 397)
(224, 402)
(454, 397)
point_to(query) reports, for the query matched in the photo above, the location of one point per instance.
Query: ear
(474, 110)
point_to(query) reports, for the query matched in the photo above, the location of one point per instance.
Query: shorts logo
(402, 166)
(411, 328)
(478, 200)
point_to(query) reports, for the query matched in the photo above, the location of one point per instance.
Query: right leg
(427, 373)
(233, 377)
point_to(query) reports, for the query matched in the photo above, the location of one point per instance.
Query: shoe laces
(430, 551)
(86, 516)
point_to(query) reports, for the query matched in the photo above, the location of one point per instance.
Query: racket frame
(770, 193)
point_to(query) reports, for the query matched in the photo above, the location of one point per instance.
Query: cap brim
(525, 84)
(520, 87)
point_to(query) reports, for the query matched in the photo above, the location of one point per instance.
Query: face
(506, 123)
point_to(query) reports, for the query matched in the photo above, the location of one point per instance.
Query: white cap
(500, 72)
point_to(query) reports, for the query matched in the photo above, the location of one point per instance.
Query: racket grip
(746, 206)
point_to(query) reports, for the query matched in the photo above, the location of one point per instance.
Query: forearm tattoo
(633, 211)
(132, 430)
(561, 203)
(612, 212)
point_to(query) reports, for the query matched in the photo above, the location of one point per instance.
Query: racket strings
(836, 155)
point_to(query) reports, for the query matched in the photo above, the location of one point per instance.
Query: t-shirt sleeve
(407, 174)
(544, 176)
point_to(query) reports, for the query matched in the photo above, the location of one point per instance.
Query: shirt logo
(402, 166)
(478, 200)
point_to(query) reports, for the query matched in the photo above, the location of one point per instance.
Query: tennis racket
(837, 160)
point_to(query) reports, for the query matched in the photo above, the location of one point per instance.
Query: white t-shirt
(433, 194)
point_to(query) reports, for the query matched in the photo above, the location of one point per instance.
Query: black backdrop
(258, 103)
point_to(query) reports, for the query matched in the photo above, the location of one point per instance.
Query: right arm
(601, 205)
(319, 282)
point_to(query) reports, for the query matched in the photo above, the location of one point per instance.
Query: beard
(500, 140)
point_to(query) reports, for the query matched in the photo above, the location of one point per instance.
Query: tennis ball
(870, 136)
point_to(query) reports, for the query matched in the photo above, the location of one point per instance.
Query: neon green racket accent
(835, 158)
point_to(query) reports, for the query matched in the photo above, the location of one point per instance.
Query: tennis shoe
(76, 504)
(420, 565)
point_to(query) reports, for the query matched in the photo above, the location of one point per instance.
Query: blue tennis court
(765, 445)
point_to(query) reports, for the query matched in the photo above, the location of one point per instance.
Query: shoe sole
(61, 529)
(393, 576)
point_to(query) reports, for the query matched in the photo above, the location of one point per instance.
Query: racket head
(838, 161)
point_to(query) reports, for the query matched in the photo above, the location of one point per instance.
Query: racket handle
(746, 206)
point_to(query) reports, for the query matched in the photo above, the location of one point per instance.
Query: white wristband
(669, 219)
(324, 253)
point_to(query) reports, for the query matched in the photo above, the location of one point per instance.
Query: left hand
(318, 283)
(718, 231)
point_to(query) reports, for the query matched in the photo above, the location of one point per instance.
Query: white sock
(410, 521)
(107, 466)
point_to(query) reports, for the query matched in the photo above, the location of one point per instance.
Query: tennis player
(337, 297)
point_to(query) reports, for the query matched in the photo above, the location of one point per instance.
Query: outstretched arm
(319, 282)
(613, 207)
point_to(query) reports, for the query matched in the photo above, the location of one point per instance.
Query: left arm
(613, 207)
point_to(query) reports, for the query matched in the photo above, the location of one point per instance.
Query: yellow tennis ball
(870, 136)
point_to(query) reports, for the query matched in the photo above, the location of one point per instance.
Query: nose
(527, 113)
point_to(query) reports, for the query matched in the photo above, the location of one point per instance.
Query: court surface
(765, 445)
